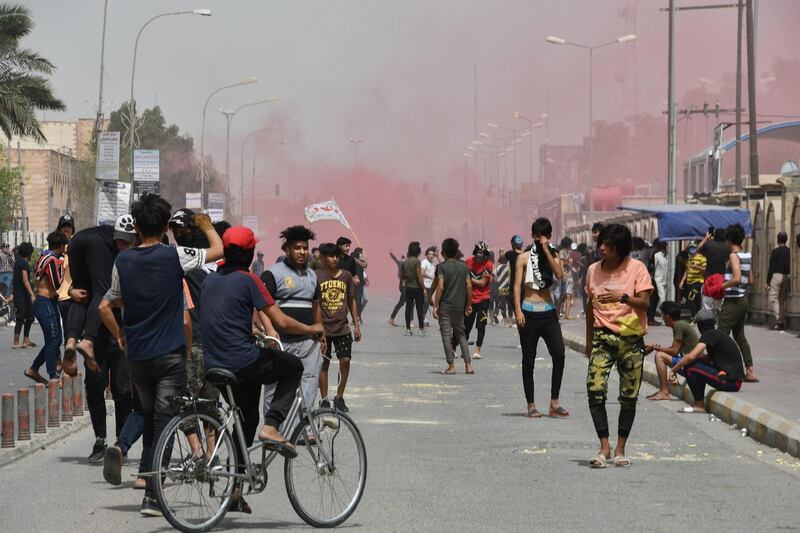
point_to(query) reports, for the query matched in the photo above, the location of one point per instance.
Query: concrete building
(48, 179)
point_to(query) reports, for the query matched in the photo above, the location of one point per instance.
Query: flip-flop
(448, 371)
(17, 347)
(476, 356)
(560, 412)
(35, 376)
(622, 461)
(468, 371)
(282, 447)
(29, 345)
(691, 410)
(756, 380)
(599, 461)
(533, 413)
(88, 360)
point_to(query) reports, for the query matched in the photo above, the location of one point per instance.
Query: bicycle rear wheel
(193, 487)
(325, 492)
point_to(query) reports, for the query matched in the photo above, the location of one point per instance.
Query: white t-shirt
(428, 273)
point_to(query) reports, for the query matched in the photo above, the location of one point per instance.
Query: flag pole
(353, 233)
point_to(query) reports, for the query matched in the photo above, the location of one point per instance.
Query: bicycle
(202, 467)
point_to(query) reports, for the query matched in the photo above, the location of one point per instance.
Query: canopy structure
(691, 221)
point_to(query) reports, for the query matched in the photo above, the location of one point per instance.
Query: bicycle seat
(221, 377)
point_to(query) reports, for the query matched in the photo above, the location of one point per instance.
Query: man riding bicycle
(228, 300)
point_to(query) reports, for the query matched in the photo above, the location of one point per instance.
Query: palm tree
(24, 89)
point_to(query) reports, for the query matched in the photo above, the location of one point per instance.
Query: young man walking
(147, 282)
(296, 292)
(535, 311)
(684, 339)
(451, 302)
(618, 289)
(337, 298)
(23, 296)
(778, 281)
(480, 270)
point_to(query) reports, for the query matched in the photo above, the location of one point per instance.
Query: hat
(516, 240)
(481, 247)
(123, 228)
(705, 315)
(182, 218)
(239, 236)
(573, 246)
(66, 220)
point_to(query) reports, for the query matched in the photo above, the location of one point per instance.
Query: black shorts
(343, 345)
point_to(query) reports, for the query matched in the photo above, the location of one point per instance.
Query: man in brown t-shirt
(337, 298)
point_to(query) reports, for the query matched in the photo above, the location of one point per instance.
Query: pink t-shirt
(631, 277)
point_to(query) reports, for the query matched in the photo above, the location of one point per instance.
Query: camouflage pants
(609, 348)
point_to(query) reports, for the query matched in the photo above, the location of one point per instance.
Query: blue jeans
(46, 312)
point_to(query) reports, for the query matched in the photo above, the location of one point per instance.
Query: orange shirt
(630, 277)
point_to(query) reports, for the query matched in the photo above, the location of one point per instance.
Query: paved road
(453, 453)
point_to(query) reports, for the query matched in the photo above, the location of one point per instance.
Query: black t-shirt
(724, 352)
(21, 268)
(511, 257)
(717, 255)
(348, 263)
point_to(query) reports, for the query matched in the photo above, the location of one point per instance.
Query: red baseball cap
(240, 236)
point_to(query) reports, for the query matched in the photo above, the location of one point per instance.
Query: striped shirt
(48, 267)
(740, 289)
(503, 274)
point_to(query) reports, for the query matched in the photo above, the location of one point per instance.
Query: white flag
(326, 211)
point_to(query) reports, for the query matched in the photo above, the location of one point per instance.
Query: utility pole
(751, 94)
(672, 152)
(475, 100)
(738, 177)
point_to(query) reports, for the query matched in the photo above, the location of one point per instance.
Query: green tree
(9, 187)
(24, 89)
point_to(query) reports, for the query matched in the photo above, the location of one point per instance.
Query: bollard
(23, 415)
(7, 439)
(39, 409)
(66, 398)
(52, 404)
(77, 396)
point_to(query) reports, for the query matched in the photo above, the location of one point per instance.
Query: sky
(398, 75)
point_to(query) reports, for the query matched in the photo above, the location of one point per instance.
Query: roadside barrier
(23, 415)
(7, 438)
(39, 409)
(66, 398)
(77, 396)
(52, 404)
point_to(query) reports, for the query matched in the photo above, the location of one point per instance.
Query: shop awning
(691, 221)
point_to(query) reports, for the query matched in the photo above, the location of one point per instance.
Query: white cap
(123, 228)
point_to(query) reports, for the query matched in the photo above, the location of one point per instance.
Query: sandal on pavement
(29, 345)
(476, 356)
(691, 410)
(599, 461)
(533, 413)
(35, 376)
(622, 461)
(559, 412)
(449, 371)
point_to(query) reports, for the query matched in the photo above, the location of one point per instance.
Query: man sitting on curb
(722, 367)
(684, 340)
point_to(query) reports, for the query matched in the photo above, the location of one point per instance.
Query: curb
(762, 425)
(25, 448)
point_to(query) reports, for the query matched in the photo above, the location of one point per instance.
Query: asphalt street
(455, 453)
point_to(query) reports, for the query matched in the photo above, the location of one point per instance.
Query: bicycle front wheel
(196, 480)
(326, 480)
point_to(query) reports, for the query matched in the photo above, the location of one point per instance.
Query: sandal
(35, 376)
(449, 371)
(88, 360)
(622, 461)
(599, 461)
(691, 410)
(559, 412)
(284, 448)
(29, 345)
(533, 413)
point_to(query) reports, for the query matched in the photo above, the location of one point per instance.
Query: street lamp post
(356, 142)
(253, 179)
(203, 176)
(229, 114)
(241, 170)
(621, 40)
(529, 135)
(131, 105)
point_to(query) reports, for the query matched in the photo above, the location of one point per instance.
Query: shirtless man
(48, 274)
(536, 315)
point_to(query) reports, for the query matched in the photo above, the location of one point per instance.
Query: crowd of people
(153, 301)
(620, 287)
(149, 317)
